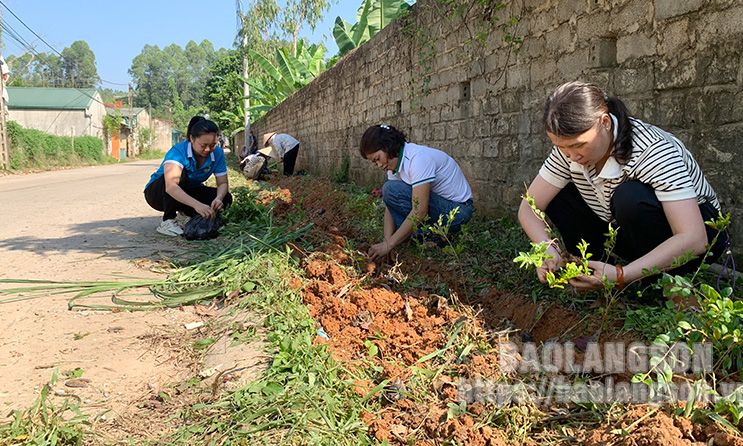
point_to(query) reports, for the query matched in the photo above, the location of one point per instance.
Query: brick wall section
(676, 64)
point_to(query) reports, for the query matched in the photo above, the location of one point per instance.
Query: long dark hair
(382, 137)
(199, 126)
(573, 108)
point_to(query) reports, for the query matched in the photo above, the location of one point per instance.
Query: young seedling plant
(718, 320)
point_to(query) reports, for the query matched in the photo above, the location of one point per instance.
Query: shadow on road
(125, 239)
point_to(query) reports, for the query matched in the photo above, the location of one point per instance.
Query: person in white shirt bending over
(421, 182)
(286, 147)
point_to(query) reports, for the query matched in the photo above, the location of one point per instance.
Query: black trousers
(638, 213)
(290, 159)
(159, 200)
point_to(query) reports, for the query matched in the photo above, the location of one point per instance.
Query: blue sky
(117, 31)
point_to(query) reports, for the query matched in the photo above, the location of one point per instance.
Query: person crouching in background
(287, 148)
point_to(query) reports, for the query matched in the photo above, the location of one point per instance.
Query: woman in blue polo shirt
(178, 183)
(421, 182)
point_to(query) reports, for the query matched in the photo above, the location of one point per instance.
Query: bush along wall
(34, 149)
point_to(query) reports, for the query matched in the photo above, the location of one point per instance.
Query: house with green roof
(58, 111)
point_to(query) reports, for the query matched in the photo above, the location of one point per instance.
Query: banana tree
(288, 75)
(372, 16)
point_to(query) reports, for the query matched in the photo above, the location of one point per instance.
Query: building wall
(95, 113)
(62, 122)
(675, 64)
(142, 120)
(162, 134)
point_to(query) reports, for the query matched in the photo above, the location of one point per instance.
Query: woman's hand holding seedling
(550, 264)
(596, 280)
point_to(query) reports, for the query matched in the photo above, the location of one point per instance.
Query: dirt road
(82, 224)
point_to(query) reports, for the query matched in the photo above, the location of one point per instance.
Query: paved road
(81, 224)
(52, 221)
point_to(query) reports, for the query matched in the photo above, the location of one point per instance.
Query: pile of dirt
(660, 429)
(364, 319)
(403, 328)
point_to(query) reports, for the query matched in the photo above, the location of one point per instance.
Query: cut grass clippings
(304, 398)
(217, 271)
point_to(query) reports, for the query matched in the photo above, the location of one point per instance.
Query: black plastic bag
(200, 228)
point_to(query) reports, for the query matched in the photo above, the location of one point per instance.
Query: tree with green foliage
(297, 13)
(110, 95)
(280, 61)
(290, 74)
(75, 68)
(149, 71)
(78, 66)
(223, 92)
(266, 21)
(173, 80)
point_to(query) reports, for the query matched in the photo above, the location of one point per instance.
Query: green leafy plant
(290, 73)
(341, 175)
(570, 270)
(74, 373)
(372, 16)
(46, 423)
(718, 321)
(34, 149)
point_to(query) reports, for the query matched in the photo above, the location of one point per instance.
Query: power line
(45, 42)
(14, 34)
(32, 31)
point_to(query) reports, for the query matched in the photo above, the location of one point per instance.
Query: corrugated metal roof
(50, 98)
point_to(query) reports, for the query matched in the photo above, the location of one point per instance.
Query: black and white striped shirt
(658, 159)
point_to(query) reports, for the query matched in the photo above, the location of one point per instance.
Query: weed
(45, 423)
(341, 176)
(74, 373)
(303, 397)
(650, 321)
(203, 344)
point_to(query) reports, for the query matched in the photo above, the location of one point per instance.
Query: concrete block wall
(676, 64)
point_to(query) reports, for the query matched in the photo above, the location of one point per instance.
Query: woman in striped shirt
(607, 167)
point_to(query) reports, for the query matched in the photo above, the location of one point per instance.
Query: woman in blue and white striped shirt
(607, 167)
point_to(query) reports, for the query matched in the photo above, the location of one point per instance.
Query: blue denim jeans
(398, 198)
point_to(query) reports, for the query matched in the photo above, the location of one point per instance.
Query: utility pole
(149, 112)
(4, 150)
(246, 87)
(130, 138)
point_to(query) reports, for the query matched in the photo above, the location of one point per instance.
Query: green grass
(46, 422)
(150, 154)
(304, 398)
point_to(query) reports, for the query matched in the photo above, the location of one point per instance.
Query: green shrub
(89, 148)
(34, 149)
